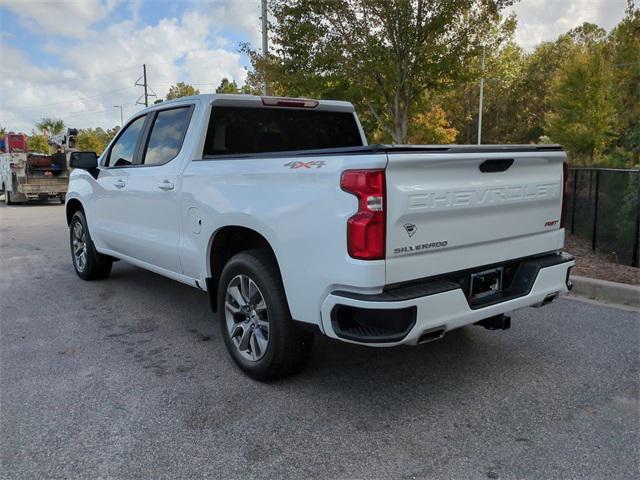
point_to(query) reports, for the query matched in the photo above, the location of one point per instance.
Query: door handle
(119, 183)
(165, 185)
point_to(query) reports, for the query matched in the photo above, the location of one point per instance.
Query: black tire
(95, 266)
(288, 347)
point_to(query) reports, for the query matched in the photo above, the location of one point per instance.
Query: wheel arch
(73, 205)
(224, 244)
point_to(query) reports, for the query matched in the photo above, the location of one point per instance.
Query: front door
(109, 221)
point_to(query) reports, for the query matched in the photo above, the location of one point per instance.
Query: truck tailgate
(454, 211)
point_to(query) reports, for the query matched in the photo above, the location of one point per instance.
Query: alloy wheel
(79, 246)
(247, 317)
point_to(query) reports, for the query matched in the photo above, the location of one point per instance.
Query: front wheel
(255, 321)
(87, 262)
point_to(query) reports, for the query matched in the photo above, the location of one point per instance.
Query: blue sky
(76, 59)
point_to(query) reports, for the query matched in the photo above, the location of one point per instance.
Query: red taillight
(565, 193)
(366, 229)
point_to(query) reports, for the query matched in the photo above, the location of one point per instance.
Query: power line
(72, 99)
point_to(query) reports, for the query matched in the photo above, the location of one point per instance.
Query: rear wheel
(255, 321)
(87, 262)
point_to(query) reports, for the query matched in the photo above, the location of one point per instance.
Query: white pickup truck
(294, 225)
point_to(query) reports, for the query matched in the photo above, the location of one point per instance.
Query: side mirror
(84, 160)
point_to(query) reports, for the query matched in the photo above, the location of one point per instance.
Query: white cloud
(543, 20)
(211, 66)
(61, 17)
(192, 47)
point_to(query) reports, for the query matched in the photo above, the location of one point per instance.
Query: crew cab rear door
(464, 207)
(154, 188)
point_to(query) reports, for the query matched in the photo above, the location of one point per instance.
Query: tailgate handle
(498, 165)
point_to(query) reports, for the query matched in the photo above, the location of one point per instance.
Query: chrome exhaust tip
(432, 334)
(552, 297)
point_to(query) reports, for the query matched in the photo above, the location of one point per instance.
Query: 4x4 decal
(299, 164)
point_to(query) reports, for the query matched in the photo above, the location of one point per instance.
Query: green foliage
(38, 143)
(582, 115)
(95, 139)
(624, 51)
(431, 127)
(412, 69)
(381, 55)
(227, 87)
(181, 89)
(50, 126)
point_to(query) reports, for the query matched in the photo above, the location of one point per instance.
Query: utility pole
(144, 74)
(121, 116)
(265, 45)
(481, 98)
(145, 85)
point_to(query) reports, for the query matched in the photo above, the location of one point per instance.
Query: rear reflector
(366, 229)
(289, 102)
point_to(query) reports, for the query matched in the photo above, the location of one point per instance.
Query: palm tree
(50, 126)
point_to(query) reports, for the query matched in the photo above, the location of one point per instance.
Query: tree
(227, 87)
(393, 51)
(431, 127)
(38, 143)
(50, 126)
(624, 51)
(504, 103)
(95, 140)
(583, 115)
(181, 89)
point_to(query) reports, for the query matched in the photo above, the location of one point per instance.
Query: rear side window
(167, 134)
(238, 130)
(124, 148)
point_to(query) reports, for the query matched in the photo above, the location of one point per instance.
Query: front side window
(124, 148)
(166, 136)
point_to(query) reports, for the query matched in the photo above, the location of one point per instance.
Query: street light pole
(265, 46)
(121, 117)
(481, 98)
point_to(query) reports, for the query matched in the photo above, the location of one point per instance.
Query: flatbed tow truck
(26, 176)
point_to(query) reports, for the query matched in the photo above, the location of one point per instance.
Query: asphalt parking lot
(128, 378)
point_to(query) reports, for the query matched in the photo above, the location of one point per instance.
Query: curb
(611, 292)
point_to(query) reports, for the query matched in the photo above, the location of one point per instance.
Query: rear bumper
(402, 316)
(43, 189)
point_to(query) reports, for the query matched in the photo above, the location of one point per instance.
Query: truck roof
(255, 101)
